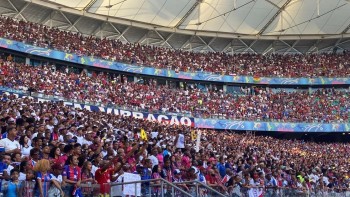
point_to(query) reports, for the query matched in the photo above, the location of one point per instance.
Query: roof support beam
(313, 47)
(89, 5)
(114, 27)
(165, 41)
(229, 45)
(98, 30)
(268, 49)
(122, 34)
(187, 42)
(346, 29)
(143, 38)
(65, 17)
(249, 47)
(7, 13)
(47, 18)
(207, 45)
(8, 9)
(291, 47)
(274, 16)
(187, 14)
(19, 12)
(75, 23)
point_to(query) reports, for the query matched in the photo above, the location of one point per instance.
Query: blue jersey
(3, 167)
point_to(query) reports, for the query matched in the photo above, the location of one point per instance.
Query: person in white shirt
(153, 157)
(180, 141)
(56, 179)
(117, 190)
(25, 148)
(10, 144)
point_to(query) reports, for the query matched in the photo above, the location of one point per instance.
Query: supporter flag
(255, 192)
(143, 135)
(198, 142)
(225, 179)
(193, 135)
(256, 79)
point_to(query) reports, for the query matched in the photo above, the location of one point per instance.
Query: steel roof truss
(165, 40)
(74, 24)
(19, 12)
(291, 47)
(274, 16)
(207, 45)
(248, 47)
(122, 33)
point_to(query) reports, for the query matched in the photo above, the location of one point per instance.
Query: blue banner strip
(270, 126)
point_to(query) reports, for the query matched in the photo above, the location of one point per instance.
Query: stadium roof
(210, 25)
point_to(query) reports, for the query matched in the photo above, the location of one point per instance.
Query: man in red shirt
(103, 176)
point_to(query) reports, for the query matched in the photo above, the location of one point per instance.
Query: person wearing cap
(177, 180)
(213, 181)
(56, 179)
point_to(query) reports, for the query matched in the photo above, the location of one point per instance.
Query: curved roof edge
(187, 32)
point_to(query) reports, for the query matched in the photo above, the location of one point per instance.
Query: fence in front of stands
(163, 188)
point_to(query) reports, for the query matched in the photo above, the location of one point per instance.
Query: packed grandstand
(297, 65)
(51, 148)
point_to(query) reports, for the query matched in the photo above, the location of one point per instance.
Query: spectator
(87, 177)
(104, 175)
(9, 143)
(56, 178)
(14, 187)
(25, 147)
(29, 183)
(43, 178)
(71, 175)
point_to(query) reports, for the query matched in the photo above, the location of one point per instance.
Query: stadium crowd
(323, 105)
(49, 148)
(296, 65)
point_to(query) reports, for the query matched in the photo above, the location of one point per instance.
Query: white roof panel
(302, 17)
(249, 17)
(159, 12)
(77, 4)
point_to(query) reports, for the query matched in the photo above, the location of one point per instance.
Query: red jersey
(103, 177)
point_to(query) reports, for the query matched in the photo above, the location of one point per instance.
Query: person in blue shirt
(146, 174)
(221, 167)
(5, 159)
(14, 187)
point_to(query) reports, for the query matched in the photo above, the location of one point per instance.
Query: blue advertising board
(271, 126)
(201, 76)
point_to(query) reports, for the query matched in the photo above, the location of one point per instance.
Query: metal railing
(153, 187)
(200, 189)
(163, 188)
(197, 189)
